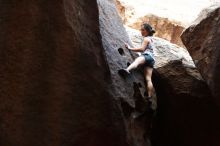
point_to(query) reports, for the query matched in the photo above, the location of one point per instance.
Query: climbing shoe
(123, 72)
(150, 100)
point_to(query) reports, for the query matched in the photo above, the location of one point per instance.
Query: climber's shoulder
(146, 39)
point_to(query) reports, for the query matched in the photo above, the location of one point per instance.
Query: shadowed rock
(54, 81)
(202, 39)
(186, 114)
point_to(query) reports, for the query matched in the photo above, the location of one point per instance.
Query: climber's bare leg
(148, 74)
(138, 61)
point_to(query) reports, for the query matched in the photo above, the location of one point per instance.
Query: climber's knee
(148, 79)
(139, 60)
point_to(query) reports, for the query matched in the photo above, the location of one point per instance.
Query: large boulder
(165, 51)
(54, 79)
(202, 40)
(129, 92)
(186, 114)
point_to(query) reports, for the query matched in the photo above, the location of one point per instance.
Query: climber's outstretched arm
(141, 49)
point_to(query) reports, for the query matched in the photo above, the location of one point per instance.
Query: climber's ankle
(127, 70)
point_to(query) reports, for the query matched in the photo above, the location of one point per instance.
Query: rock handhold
(124, 73)
(128, 93)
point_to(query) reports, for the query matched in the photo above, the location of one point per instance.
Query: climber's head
(147, 30)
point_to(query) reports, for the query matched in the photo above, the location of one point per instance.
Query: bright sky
(184, 11)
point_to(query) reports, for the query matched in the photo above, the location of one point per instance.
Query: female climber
(146, 59)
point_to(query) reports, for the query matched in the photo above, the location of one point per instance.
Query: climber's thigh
(140, 60)
(148, 73)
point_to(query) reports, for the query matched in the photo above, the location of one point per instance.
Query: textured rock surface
(121, 10)
(186, 113)
(202, 40)
(54, 81)
(165, 28)
(59, 84)
(130, 92)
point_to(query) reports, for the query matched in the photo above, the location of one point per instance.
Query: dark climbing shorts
(149, 61)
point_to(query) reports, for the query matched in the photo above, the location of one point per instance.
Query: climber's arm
(140, 49)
